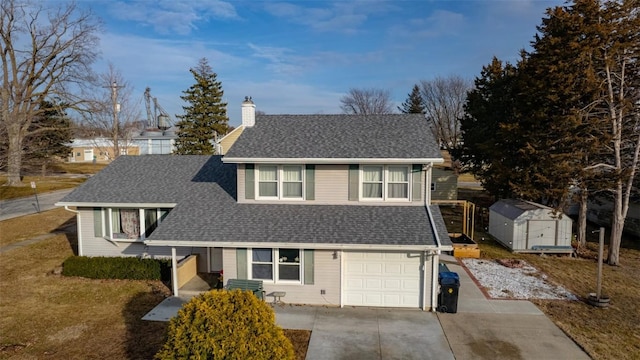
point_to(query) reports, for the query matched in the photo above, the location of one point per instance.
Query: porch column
(174, 271)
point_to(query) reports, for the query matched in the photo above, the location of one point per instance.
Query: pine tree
(50, 131)
(490, 114)
(414, 103)
(205, 117)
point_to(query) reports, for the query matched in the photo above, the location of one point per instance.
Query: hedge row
(130, 268)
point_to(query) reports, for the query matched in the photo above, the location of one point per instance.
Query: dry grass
(300, 341)
(44, 315)
(29, 226)
(78, 168)
(43, 184)
(47, 315)
(62, 178)
(612, 333)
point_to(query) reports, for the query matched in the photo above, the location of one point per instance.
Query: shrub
(130, 268)
(222, 324)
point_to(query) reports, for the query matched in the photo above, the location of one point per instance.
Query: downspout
(79, 232)
(435, 254)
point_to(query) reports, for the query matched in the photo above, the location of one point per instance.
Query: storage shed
(524, 226)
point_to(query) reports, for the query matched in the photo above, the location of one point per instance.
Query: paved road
(24, 206)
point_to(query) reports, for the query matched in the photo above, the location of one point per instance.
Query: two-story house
(332, 209)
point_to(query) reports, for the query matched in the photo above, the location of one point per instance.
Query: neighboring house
(332, 209)
(600, 211)
(98, 149)
(155, 141)
(525, 226)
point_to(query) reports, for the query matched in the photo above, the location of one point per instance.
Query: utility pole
(116, 122)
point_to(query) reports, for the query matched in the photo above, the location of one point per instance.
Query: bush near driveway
(225, 325)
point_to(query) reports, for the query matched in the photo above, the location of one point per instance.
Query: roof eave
(112, 204)
(322, 246)
(244, 160)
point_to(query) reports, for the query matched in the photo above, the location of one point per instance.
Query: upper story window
(385, 182)
(280, 181)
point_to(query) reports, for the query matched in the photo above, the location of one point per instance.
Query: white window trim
(385, 183)
(280, 181)
(275, 268)
(107, 228)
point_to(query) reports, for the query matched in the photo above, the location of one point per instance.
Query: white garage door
(382, 279)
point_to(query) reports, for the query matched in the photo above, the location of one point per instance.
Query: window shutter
(416, 182)
(97, 222)
(353, 182)
(308, 267)
(249, 181)
(310, 182)
(241, 264)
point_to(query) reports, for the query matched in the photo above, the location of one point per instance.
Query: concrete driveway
(367, 333)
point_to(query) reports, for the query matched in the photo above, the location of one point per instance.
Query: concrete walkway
(367, 333)
(502, 329)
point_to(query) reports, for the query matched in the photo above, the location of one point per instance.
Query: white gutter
(239, 160)
(436, 254)
(117, 205)
(323, 246)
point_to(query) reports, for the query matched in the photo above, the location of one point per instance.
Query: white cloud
(439, 23)
(342, 17)
(167, 16)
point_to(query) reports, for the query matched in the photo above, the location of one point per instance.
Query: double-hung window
(385, 182)
(280, 182)
(277, 265)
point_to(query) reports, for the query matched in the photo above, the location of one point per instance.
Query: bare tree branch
(367, 102)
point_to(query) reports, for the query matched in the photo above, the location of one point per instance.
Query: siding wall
(326, 277)
(230, 139)
(98, 246)
(331, 187)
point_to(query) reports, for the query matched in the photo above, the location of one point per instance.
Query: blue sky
(301, 57)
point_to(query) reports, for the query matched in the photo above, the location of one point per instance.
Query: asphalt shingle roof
(400, 136)
(204, 190)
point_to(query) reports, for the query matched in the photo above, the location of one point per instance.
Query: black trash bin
(448, 297)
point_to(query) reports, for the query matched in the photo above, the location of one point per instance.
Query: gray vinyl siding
(98, 246)
(446, 183)
(332, 184)
(326, 277)
(229, 264)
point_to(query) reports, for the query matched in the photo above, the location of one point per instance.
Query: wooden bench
(254, 286)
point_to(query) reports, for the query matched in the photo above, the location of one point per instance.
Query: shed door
(541, 232)
(382, 279)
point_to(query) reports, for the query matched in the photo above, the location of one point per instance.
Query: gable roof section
(513, 208)
(336, 137)
(206, 213)
(153, 179)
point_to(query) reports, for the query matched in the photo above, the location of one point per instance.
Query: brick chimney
(248, 112)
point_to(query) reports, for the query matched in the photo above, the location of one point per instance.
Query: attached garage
(376, 278)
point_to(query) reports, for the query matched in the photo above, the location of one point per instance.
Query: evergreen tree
(414, 103)
(50, 131)
(488, 147)
(205, 117)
